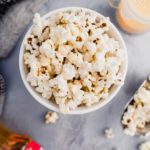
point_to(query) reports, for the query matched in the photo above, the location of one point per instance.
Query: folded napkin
(14, 21)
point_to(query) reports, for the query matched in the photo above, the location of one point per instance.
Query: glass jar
(133, 16)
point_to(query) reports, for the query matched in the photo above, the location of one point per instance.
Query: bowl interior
(23, 70)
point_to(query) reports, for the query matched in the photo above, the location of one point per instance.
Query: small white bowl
(23, 71)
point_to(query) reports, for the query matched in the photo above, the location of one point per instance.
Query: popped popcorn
(47, 48)
(145, 146)
(51, 117)
(137, 115)
(71, 58)
(69, 71)
(75, 58)
(109, 133)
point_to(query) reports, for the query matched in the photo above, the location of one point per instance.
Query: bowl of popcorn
(73, 60)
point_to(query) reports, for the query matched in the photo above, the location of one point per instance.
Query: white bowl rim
(48, 104)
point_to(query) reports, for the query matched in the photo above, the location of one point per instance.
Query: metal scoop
(139, 131)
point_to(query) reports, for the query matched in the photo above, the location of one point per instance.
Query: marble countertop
(81, 132)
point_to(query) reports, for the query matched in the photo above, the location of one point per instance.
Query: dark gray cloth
(2, 93)
(14, 21)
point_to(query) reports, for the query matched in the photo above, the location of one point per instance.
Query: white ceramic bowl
(113, 32)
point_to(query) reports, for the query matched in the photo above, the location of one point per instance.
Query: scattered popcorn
(137, 115)
(51, 117)
(145, 146)
(72, 58)
(109, 133)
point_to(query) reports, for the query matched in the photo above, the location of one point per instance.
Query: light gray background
(85, 132)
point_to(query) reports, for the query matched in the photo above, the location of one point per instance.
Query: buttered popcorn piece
(109, 133)
(84, 69)
(64, 49)
(51, 117)
(71, 58)
(47, 48)
(145, 146)
(99, 62)
(69, 71)
(91, 47)
(37, 25)
(75, 58)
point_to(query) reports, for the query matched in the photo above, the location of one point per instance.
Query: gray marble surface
(85, 132)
